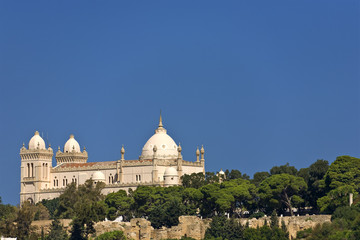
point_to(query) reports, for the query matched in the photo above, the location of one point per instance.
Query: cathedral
(160, 164)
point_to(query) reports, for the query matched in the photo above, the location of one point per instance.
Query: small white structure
(98, 177)
(171, 177)
(160, 164)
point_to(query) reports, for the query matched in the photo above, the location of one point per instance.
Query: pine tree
(274, 220)
(57, 232)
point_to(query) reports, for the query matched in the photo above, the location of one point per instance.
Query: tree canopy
(281, 191)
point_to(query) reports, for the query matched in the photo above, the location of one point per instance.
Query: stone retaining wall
(190, 226)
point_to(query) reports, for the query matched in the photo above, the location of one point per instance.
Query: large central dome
(166, 146)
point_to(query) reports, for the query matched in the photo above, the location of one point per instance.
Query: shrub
(257, 215)
(114, 235)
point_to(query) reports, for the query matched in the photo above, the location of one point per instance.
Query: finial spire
(160, 120)
(161, 128)
(122, 152)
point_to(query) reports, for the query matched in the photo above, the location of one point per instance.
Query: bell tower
(36, 162)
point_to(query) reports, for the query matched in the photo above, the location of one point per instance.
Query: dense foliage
(320, 188)
(223, 228)
(114, 235)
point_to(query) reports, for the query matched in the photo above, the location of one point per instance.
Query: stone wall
(47, 223)
(293, 224)
(190, 226)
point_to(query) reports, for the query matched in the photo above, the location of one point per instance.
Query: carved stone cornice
(72, 157)
(35, 154)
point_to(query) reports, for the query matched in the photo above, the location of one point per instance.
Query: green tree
(84, 205)
(8, 215)
(335, 198)
(313, 176)
(23, 221)
(77, 230)
(57, 232)
(174, 209)
(119, 204)
(52, 205)
(211, 177)
(41, 212)
(166, 214)
(236, 174)
(265, 233)
(67, 202)
(341, 178)
(243, 192)
(345, 170)
(144, 199)
(211, 194)
(113, 235)
(222, 228)
(283, 169)
(156, 216)
(281, 191)
(191, 199)
(194, 180)
(274, 220)
(259, 177)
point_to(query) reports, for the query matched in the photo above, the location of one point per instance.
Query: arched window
(28, 170)
(139, 178)
(32, 170)
(136, 177)
(54, 182)
(46, 170)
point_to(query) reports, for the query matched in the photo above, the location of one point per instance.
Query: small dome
(72, 145)
(36, 142)
(98, 176)
(170, 171)
(221, 172)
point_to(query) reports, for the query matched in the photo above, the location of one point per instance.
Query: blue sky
(259, 83)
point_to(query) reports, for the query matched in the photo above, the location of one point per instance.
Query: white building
(160, 164)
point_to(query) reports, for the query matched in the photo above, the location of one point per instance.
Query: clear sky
(259, 83)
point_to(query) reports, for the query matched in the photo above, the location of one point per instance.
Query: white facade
(160, 164)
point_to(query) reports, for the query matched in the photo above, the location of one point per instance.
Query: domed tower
(36, 162)
(72, 153)
(171, 177)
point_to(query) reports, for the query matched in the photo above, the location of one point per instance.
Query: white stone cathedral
(160, 164)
